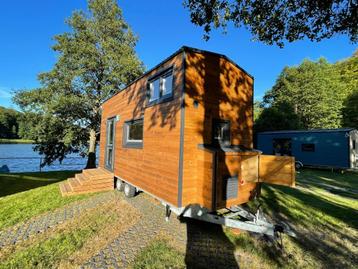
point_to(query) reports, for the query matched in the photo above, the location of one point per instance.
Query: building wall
(215, 88)
(331, 148)
(154, 168)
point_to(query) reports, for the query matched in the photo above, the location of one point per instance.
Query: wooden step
(97, 173)
(93, 187)
(81, 178)
(65, 188)
(89, 191)
(74, 183)
(90, 180)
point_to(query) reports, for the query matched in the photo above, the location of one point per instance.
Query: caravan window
(308, 147)
(133, 134)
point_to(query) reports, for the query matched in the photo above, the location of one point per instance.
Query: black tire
(120, 185)
(129, 190)
(298, 165)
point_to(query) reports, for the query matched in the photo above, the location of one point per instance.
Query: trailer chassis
(235, 217)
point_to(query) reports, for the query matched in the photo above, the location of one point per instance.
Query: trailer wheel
(298, 165)
(129, 190)
(120, 185)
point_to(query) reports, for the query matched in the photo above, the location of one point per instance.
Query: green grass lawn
(15, 141)
(322, 210)
(24, 195)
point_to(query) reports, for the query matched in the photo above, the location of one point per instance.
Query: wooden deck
(90, 180)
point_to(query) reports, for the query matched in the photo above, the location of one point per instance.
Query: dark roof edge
(183, 48)
(308, 131)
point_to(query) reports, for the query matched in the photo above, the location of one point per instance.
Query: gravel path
(123, 249)
(44, 222)
(206, 245)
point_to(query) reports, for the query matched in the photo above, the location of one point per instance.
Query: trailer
(183, 133)
(324, 148)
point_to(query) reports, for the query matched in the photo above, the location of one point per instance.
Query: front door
(110, 134)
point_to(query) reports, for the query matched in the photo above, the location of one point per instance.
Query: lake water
(21, 158)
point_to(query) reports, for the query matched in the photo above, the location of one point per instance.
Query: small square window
(308, 147)
(133, 134)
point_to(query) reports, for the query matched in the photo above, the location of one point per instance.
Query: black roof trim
(182, 49)
(308, 131)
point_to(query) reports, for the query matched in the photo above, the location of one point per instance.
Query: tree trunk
(91, 161)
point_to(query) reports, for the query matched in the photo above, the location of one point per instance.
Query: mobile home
(332, 148)
(182, 133)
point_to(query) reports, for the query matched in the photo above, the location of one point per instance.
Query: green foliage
(257, 109)
(276, 21)
(314, 94)
(280, 116)
(96, 59)
(350, 111)
(9, 123)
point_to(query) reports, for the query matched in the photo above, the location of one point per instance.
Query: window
(354, 144)
(221, 132)
(308, 147)
(161, 87)
(133, 134)
(282, 146)
(154, 90)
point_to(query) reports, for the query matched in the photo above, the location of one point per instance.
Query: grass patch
(15, 141)
(325, 222)
(159, 255)
(32, 194)
(72, 243)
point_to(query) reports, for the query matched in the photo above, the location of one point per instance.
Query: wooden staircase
(90, 180)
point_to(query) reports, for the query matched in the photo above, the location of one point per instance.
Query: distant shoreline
(15, 141)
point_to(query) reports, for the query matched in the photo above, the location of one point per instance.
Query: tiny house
(182, 132)
(331, 148)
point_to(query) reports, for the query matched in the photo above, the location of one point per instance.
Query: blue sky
(27, 28)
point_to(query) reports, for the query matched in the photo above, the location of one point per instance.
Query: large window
(161, 87)
(133, 134)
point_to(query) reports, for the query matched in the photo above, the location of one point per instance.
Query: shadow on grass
(11, 183)
(322, 238)
(208, 246)
(344, 184)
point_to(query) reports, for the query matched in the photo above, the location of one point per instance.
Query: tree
(257, 109)
(350, 111)
(316, 91)
(276, 21)
(280, 116)
(9, 123)
(95, 60)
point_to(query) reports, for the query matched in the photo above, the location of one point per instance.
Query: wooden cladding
(197, 97)
(277, 170)
(151, 164)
